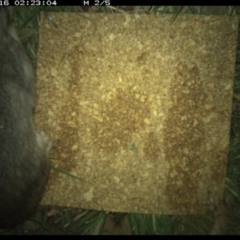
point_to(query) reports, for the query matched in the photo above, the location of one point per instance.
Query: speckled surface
(138, 107)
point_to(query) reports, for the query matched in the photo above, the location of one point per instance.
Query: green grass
(26, 20)
(150, 224)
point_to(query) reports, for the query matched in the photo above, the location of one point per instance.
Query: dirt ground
(112, 227)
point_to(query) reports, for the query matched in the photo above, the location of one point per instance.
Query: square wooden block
(137, 106)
